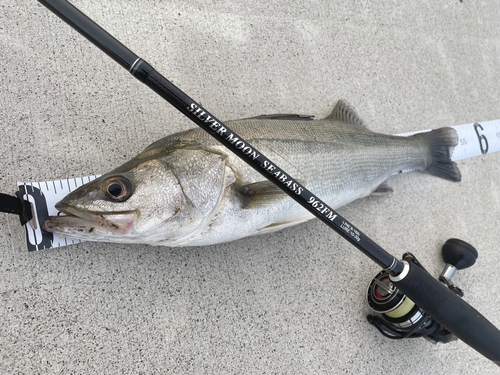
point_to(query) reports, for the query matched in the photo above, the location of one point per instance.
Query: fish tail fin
(441, 143)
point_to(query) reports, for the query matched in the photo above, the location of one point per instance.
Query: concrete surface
(288, 303)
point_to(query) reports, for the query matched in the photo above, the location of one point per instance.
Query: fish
(187, 189)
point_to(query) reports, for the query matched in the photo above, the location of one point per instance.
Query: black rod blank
(200, 116)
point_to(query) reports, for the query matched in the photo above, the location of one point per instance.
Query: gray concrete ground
(292, 302)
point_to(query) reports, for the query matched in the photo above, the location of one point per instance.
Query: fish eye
(117, 189)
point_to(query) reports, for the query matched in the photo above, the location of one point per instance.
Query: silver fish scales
(188, 190)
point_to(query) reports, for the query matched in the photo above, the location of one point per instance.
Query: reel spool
(397, 316)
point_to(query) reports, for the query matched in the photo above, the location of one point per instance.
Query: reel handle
(449, 310)
(459, 253)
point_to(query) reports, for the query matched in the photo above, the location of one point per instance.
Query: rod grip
(451, 311)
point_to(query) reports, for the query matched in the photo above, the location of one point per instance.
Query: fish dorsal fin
(260, 194)
(343, 111)
(285, 116)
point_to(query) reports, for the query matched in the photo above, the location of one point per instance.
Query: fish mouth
(74, 221)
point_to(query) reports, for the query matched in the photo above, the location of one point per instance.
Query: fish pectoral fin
(384, 189)
(284, 116)
(259, 194)
(343, 111)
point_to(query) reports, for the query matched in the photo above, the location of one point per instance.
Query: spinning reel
(397, 317)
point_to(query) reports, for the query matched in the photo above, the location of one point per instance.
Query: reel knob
(457, 255)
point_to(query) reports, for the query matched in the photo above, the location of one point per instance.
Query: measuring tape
(473, 140)
(43, 197)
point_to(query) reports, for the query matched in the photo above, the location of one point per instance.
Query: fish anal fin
(343, 111)
(259, 194)
(285, 116)
(384, 189)
(274, 227)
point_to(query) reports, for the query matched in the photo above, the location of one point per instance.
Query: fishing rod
(430, 295)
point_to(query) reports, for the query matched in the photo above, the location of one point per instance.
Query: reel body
(397, 316)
